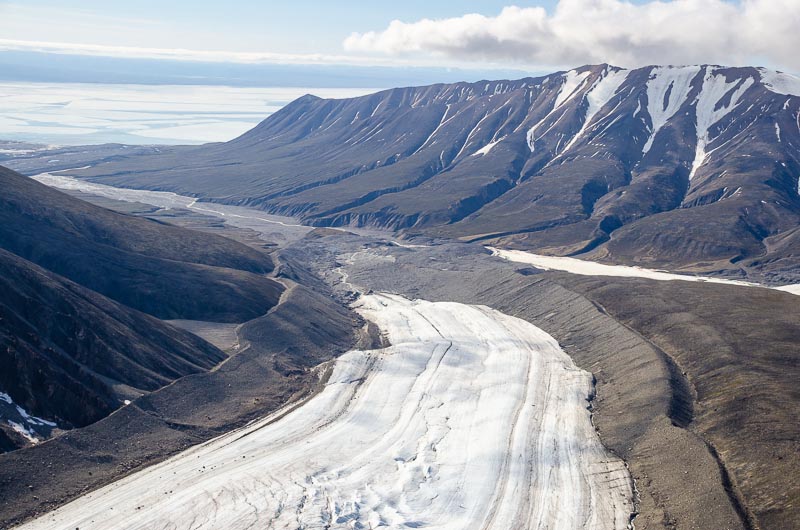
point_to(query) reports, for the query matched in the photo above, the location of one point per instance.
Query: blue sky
(300, 26)
(534, 35)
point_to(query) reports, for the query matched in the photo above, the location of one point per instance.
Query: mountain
(76, 282)
(72, 356)
(160, 269)
(693, 166)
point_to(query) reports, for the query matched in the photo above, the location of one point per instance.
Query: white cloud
(613, 31)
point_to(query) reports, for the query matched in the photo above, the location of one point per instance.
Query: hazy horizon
(135, 55)
(88, 114)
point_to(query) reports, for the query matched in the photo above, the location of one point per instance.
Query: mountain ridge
(592, 161)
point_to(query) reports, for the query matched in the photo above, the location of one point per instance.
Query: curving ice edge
(235, 215)
(472, 419)
(591, 268)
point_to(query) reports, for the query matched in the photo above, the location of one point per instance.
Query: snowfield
(471, 419)
(794, 289)
(591, 268)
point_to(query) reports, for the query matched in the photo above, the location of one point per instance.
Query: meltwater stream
(237, 216)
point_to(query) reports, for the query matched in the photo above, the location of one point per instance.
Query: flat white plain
(83, 114)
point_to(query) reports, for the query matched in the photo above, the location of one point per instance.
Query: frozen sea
(82, 114)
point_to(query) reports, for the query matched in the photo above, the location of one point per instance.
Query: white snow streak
(709, 111)
(24, 415)
(780, 83)
(442, 122)
(572, 81)
(33, 420)
(778, 131)
(598, 96)
(24, 423)
(472, 419)
(488, 147)
(675, 80)
(793, 289)
(25, 432)
(591, 268)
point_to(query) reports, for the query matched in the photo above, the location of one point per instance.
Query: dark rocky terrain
(77, 281)
(278, 363)
(108, 389)
(691, 167)
(163, 270)
(72, 356)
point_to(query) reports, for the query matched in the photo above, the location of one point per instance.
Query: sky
(535, 35)
(300, 26)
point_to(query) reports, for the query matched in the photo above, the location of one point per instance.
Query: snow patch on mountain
(591, 268)
(598, 96)
(571, 82)
(24, 431)
(667, 89)
(486, 148)
(710, 109)
(30, 427)
(23, 414)
(780, 83)
(792, 289)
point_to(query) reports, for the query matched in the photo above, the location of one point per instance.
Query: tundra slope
(470, 419)
(160, 269)
(691, 166)
(73, 356)
(75, 276)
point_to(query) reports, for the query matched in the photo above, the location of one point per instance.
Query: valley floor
(470, 419)
(481, 416)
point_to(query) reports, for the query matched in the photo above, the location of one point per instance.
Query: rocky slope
(71, 356)
(74, 277)
(274, 365)
(691, 166)
(163, 270)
